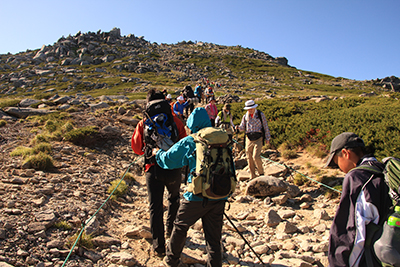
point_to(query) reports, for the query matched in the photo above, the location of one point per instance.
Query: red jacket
(137, 142)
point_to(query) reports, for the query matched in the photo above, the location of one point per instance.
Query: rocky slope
(286, 225)
(107, 61)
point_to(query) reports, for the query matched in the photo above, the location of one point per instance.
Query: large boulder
(265, 186)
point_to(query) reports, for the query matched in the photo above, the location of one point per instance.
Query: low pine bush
(119, 191)
(40, 161)
(77, 135)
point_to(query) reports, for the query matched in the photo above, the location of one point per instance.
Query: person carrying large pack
(383, 240)
(211, 180)
(364, 203)
(159, 129)
(188, 95)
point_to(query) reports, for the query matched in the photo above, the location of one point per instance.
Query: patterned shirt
(253, 124)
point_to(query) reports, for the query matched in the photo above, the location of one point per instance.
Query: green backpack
(384, 240)
(214, 177)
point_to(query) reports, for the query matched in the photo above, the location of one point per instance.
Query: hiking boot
(159, 254)
(166, 264)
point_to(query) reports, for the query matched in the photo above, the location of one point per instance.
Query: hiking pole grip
(237, 230)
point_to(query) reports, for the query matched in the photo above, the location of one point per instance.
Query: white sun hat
(250, 104)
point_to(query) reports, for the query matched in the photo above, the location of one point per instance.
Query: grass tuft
(40, 161)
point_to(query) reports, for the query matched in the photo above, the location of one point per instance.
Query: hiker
(158, 178)
(169, 98)
(188, 95)
(198, 92)
(179, 105)
(212, 110)
(256, 130)
(209, 92)
(224, 120)
(165, 92)
(192, 207)
(363, 201)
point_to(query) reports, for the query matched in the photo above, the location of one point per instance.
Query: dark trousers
(212, 219)
(156, 179)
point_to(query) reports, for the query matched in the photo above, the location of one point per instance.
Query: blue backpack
(159, 128)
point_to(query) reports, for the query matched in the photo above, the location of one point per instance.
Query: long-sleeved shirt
(178, 107)
(253, 124)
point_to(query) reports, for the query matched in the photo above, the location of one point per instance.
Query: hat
(180, 98)
(343, 140)
(169, 96)
(250, 104)
(227, 106)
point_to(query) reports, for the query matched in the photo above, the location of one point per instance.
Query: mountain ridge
(106, 60)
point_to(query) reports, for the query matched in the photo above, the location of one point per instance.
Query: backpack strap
(262, 125)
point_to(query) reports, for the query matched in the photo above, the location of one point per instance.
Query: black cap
(343, 140)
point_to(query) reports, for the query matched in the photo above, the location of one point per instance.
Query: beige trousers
(253, 153)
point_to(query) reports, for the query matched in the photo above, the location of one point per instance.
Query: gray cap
(343, 140)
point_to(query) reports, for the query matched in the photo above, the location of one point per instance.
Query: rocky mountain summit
(34, 71)
(42, 211)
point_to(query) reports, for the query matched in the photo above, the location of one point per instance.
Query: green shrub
(40, 161)
(85, 240)
(42, 147)
(77, 135)
(40, 138)
(128, 176)
(120, 190)
(317, 150)
(64, 225)
(50, 126)
(299, 179)
(67, 127)
(21, 151)
(9, 103)
(331, 194)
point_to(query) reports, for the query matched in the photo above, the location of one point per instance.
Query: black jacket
(364, 194)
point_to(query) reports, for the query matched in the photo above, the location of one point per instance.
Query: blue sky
(355, 39)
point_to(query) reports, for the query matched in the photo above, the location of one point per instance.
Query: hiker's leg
(189, 212)
(257, 155)
(173, 184)
(212, 227)
(155, 190)
(250, 160)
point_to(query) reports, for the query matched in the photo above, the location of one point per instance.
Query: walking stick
(237, 230)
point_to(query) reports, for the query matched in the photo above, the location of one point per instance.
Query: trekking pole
(237, 230)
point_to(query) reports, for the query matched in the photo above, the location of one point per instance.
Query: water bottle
(394, 219)
(387, 247)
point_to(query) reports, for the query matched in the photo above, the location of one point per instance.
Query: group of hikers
(364, 199)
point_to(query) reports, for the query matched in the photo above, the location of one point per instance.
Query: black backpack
(159, 128)
(188, 92)
(383, 241)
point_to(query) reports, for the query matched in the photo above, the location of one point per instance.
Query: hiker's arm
(137, 143)
(175, 109)
(266, 128)
(176, 156)
(242, 125)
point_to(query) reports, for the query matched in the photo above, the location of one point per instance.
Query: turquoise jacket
(183, 153)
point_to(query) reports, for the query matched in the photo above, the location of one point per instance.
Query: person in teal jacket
(183, 154)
